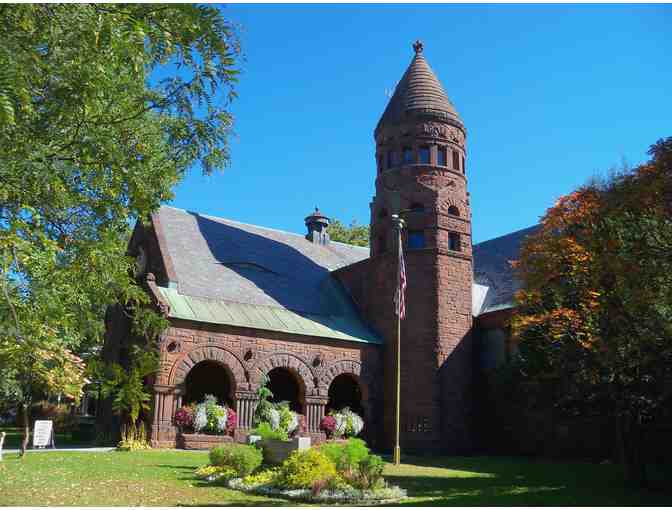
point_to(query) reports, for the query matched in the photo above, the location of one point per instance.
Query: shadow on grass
(502, 481)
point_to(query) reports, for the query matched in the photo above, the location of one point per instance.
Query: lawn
(165, 478)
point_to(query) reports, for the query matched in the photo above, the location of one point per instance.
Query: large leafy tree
(350, 234)
(103, 108)
(594, 321)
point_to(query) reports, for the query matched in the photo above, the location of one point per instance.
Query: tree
(594, 318)
(353, 234)
(103, 108)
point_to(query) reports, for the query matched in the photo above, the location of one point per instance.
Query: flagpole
(399, 223)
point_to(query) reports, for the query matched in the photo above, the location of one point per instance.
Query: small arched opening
(453, 210)
(209, 378)
(287, 386)
(344, 391)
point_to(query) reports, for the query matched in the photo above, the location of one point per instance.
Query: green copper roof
(345, 326)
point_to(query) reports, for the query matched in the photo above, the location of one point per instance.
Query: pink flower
(328, 424)
(184, 417)
(230, 421)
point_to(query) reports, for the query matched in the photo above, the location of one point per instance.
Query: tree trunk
(629, 448)
(26, 428)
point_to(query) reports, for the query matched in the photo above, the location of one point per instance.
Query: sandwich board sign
(43, 434)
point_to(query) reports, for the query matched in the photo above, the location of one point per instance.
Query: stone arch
(208, 353)
(285, 360)
(344, 366)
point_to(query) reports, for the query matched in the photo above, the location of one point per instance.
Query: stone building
(317, 316)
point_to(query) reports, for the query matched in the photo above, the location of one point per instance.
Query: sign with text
(43, 434)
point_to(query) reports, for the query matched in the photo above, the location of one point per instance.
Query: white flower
(293, 423)
(341, 423)
(200, 418)
(221, 420)
(274, 418)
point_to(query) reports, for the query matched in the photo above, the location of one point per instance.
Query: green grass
(15, 436)
(165, 478)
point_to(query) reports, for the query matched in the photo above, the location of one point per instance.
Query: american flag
(400, 294)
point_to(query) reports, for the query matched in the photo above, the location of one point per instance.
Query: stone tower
(420, 160)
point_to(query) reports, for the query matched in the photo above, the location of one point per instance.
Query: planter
(276, 451)
(203, 441)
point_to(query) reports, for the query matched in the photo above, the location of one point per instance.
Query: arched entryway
(344, 391)
(209, 377)
(287, 386)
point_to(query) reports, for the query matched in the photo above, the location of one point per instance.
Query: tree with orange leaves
(594, 316)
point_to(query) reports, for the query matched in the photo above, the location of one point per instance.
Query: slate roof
(419, 91)
(492, 269)
(234, 273)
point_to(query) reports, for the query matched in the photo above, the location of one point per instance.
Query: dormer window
(408, 155)
(454, 241)
(423, 154)
(456, 160)
(442, 158)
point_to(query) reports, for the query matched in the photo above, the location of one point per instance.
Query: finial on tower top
(418, 46)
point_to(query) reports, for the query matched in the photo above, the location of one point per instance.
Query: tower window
(390, 159)
(442, 158)
(454, 241)
(408, 155)
(453, 210)
(416, 239)
(456, 160)
(424, 155)
(464, 165)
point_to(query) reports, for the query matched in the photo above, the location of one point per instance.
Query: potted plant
(205, 424)
(342, 424)
(281, 430)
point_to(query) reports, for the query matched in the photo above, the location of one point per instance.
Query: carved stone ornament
(435, 180)
(435, 130)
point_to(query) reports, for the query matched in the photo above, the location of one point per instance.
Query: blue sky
(550, 94)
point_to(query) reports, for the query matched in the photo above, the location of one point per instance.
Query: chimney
(317, 225)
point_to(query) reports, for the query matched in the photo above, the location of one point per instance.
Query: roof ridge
(256, 226)
(506, 235)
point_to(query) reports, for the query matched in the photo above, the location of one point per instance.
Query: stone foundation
(201, 441)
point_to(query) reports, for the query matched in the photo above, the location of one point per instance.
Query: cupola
(317, 224)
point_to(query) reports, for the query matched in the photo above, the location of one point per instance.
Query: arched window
(456, 160)
(454, 241)
(408, 155)
(417, 207)
(464, 165)
(423, 155)
(453, 210)
(442, 157)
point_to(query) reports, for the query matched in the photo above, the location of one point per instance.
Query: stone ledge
(202, 441)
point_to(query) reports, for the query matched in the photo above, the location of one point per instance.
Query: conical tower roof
(419, 92)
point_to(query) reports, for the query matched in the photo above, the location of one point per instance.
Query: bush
(303, 468)
(346, 456)
(371, 473)
(241, 457)
(133, 439)
(265, 430)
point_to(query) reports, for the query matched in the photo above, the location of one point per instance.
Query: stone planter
(276, 451)
(203, 441)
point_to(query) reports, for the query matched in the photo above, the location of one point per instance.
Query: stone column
(315, 412)
(163, 430)
(246, 403)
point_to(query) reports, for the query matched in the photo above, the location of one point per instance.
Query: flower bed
(331, 473)
(205, 425)
(342, 424)
(384, 495)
